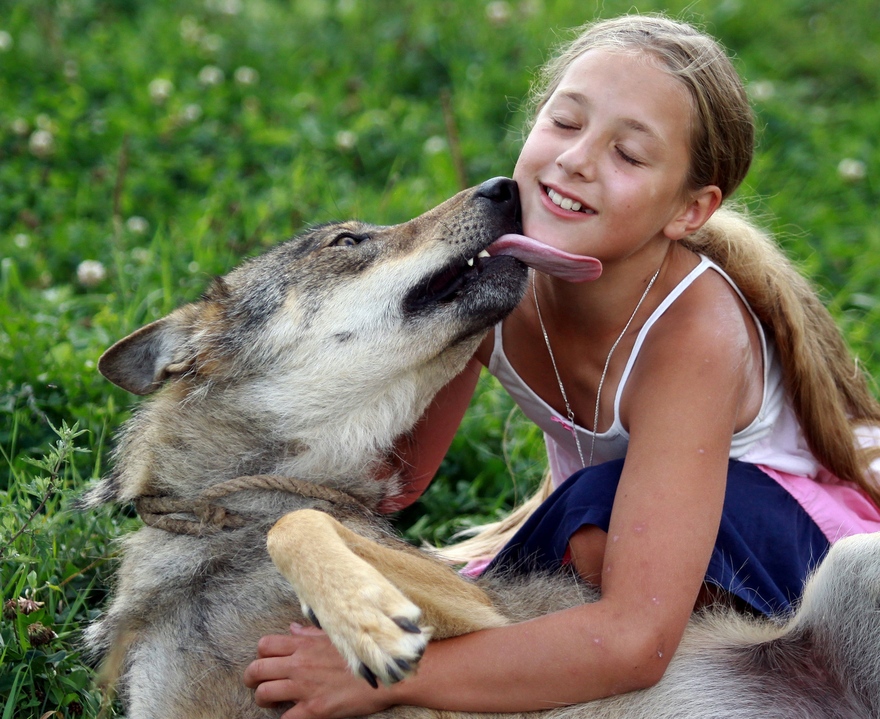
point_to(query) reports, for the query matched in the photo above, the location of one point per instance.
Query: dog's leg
(369, 598)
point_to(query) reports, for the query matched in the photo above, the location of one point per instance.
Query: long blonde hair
(828, 390)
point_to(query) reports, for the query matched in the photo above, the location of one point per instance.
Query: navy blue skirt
(767, 544)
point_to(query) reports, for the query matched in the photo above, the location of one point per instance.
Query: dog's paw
(375, 628)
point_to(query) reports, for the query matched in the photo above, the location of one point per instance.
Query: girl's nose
(578, 159)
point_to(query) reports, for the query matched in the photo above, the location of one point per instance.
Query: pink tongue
(565, 266)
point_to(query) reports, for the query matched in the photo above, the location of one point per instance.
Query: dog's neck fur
(184, 439)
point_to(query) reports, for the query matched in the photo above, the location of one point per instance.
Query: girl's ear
(699, 208)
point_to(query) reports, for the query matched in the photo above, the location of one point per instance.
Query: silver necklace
(568, 410)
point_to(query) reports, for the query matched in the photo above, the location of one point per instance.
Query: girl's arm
(682, 405)
(417, 455)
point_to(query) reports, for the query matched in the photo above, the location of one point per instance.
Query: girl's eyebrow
(628, 122)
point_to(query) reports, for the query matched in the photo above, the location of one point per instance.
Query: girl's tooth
(565, 203)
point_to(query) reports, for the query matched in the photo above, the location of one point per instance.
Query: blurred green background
(148, 145)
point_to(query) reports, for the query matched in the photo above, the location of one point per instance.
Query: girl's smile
(565, 203)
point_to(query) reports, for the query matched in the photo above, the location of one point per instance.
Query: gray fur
(309, 362)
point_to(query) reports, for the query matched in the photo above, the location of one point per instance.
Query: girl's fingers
(266, 670)
(276, 645)
(305, 630)
(270, 693)
(281, 645)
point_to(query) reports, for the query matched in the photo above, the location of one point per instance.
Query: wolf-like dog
(280, 396)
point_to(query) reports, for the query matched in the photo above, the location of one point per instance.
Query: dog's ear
(141, 362)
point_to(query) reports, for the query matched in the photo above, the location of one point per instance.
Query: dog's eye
(347, 239)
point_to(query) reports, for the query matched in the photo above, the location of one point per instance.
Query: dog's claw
(372, 624)
(406, 625)
(394, 675)
(313, 618)
(367, 674)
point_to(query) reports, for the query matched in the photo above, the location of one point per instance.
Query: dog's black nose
(502, 191)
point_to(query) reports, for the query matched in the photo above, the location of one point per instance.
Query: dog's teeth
(470, 262)
(484, 253)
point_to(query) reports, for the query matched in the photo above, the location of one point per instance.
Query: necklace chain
(568, 410)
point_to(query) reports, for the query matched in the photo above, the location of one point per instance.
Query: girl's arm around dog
(660, 540)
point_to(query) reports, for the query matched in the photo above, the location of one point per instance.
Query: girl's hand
(305, 668)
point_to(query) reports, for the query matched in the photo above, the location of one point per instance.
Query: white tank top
(773, 438)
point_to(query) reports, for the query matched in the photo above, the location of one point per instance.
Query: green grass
(346, 111)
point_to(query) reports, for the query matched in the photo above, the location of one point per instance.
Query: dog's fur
(310, 362)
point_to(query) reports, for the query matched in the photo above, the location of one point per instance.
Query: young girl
(697, 396)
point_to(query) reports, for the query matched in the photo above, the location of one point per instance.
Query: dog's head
(336, 340)
(343, 298)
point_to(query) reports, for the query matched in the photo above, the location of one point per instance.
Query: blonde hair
(828, 390)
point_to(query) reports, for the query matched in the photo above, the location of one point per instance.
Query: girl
(697, 396)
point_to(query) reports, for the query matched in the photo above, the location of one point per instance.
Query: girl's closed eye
(628, 158)
(564, 124)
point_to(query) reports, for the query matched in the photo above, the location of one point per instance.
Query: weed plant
(148, 145)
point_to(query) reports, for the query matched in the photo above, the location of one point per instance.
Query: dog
(260, 460)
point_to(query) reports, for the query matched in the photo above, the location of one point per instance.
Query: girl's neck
(605, 305)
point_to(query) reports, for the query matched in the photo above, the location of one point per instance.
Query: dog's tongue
(565, 266)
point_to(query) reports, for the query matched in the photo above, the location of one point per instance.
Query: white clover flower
(498, 12)
(434, 145)
(20, 126)
(246, 76)
(211, 75)
(762, 90)
(42, 143)
(345, 139)
(6, 41)
(136, 224)
(530, 8)
(160, 90)
(346, 7)
(191, 112)
(190, 30)
(90, 273)
(21, 240)
(851, 170)
(227, 7)
(211, 43)
(193, 267)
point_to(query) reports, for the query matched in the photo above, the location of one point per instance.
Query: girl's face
(603, 170)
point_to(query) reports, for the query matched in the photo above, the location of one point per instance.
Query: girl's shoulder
(709, 310)
(706, 342)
